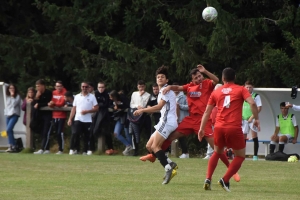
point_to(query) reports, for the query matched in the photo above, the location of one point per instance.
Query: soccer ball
(293, 159)
(209, 14)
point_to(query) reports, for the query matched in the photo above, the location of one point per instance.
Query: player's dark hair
(69, 94)
(162, 70)
(228, 74)
(115, 95)
(193, 72)
(249, 83)
(141, 82)
(154, 85)
(282, 104)
(40, 82)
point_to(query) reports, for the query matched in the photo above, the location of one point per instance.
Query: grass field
(28, 176)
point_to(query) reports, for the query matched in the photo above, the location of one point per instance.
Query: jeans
(10, 124)
(117, 131)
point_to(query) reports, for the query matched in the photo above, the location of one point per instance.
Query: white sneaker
(59, 152)
(89, 153)
(46, 152)
(71, 152)
(127, 150)
(184, 155)
(8, 150)
(39, 152)
(207, 157)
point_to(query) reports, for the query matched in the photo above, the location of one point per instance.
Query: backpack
(279, 156)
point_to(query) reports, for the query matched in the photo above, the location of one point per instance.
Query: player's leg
(253, 131)
(235, 140)
(158, 140)
(274, 141)
(151, 157)
(245, 129)
(282, 140)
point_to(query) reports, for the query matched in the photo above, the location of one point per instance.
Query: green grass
(28, 176)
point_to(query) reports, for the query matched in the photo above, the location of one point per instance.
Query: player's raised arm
(173, 87)
(213, 77)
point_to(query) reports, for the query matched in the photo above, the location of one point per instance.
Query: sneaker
(46, 152)
(207, 157)
(9, 149)
(149, 157)
(206, 185)
(184, 155)
(237, 177)
(224, 185)
(89, 153)
(111, 151)
(71, 152)
(127, 150)
(170, 173)
(39, 152)
(84, 153)
(59, 153)
(175, 168)
(255, 158)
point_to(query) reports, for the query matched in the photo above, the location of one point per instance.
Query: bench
(266, 144)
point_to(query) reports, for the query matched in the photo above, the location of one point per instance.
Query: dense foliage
(123, 41)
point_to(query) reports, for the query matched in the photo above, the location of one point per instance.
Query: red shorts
(229, 137)
(191, 124)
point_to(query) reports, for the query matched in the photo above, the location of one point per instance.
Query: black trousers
(47, 126)
(59, 124)
(80, 129)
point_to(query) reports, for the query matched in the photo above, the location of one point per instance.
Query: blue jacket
(183, 106)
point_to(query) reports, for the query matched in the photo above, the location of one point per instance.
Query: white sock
(169, 160)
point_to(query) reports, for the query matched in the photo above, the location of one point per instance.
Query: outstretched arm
(213, 77)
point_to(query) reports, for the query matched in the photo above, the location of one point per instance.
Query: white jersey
(168, 120)
(257, 100)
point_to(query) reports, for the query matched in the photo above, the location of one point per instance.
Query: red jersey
(198, 95)
(59, 101)
(213, 115)
(229, 100)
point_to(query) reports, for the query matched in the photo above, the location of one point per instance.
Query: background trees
(123, 41)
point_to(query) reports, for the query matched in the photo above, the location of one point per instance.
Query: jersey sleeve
(185, 87)
(294, 120)
(276, 121)
(258, 101)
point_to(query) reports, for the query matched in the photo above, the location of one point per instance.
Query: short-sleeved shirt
(198, 95)
(294, 121)
(168, 111)
(84, 103)
(229, 99)
(257, 100)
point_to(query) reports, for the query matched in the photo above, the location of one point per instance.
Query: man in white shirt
(84, 105)
(248, 119)
(139, 100)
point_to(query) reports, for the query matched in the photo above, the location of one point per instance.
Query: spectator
(12, 113)
(92, 141)
(42, 98)
(182, 112)
(139, 100)
(69, 99)
(248, 118)
(91, 88)
(83, 106)
(59, 117)
(152, 102)
(286, 130)
(102, 117)
(28, 99)
(119, 104)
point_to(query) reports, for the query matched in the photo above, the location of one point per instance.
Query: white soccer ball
(293, 159)
(209, 14)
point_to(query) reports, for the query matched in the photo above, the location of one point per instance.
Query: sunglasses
(85, 86)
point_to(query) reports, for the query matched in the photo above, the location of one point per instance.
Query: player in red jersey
(228, 132)
(198, 93)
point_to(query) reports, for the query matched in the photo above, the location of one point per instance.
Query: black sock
(281, 147)
(272, 148)
(161, 157)
(255, 141)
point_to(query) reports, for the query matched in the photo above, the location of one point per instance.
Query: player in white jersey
(166, 125)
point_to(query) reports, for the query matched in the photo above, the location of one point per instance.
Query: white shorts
(289, 137)
(246, 126)
(165, 129)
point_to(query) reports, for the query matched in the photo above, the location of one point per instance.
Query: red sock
(224, 159)
(212, 164)
(233, 168)
(166, 144)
